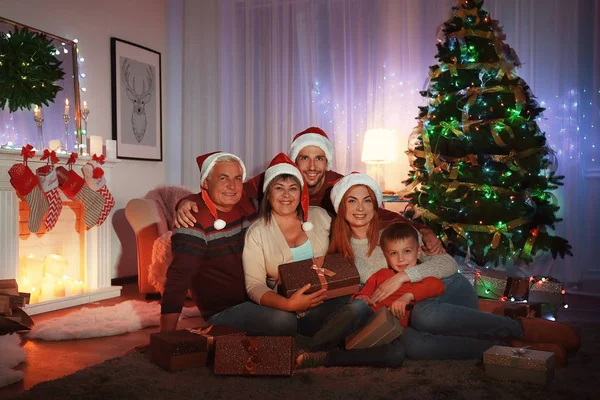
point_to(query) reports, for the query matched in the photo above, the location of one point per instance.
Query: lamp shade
(379, 146)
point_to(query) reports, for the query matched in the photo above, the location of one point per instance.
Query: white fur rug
(90, 322)
(12, 355)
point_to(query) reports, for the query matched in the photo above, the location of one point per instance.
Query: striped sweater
(209, 262)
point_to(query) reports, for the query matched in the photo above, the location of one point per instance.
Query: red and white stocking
(94, 178)
(74, 187)
(49, 184)
(26, 184)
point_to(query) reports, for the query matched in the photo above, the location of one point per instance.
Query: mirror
(19, 128)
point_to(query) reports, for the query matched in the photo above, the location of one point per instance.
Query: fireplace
(66, 267)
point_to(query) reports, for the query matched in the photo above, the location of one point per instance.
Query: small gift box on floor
(255, 355)
(178, 350)
(332, 272)
(519, 364)
(212, 333)
(382, 328)
(546, 290)
(490, 284)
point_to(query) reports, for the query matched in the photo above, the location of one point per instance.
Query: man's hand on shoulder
(184, 217)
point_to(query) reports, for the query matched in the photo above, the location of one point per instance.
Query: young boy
(400, 245)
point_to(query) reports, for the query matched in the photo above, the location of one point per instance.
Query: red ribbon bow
(51, 156)
(27, 152)
(98, 159)
(72, 159)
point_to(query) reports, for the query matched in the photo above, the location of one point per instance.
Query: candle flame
(66, 102)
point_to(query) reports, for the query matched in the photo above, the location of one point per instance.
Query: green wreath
(29, 70)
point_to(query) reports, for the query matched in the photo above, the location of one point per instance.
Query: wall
(93, 23)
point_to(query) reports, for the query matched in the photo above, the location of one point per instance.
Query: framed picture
(136, 101)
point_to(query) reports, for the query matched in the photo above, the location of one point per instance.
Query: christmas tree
(482, 173)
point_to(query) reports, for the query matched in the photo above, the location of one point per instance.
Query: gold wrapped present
(520, 364)
(382, 328)
(546, 290)
(490, 284)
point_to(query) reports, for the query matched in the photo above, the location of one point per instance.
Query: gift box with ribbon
(178, 350)
(331, 272)
(255, 355)
(490, 284)
(382, 328)
(519, 364)
(212, 333)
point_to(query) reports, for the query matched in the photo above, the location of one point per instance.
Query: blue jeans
(451, 327)
(255, 319)
(352, 316)
(387, 356)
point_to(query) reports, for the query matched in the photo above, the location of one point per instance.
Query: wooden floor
(52, 360)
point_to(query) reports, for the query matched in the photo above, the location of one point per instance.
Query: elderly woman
(287, 230)
(445, 327)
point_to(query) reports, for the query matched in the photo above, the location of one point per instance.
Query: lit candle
(76, 288)
(32, 269)
(60, 289)
(66, 106)
(37, 112)
(55, 144)
(85, 107)
(47, 288)
(34, 296)
(55, 265)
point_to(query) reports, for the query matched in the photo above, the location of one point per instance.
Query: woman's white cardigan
(265, 249)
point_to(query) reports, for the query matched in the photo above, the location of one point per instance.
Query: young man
(312, 151)
(207, 257)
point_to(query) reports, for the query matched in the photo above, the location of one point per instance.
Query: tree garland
(29, 70)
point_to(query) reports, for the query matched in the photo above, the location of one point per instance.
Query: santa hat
(280, 165)
(206, 162)
(312, 136)
(342, 185)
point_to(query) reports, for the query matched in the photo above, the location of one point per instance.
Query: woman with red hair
(446, 327)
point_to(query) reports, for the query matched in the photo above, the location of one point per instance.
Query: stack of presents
(539, 297)
(12, 317)
(232, 352)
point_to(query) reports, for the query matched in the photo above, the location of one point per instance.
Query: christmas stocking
(74, 187)
(94, 178)
(49, 184)
(26, 185)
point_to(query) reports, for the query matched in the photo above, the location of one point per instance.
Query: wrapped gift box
(546, 291)
(526, 365)
(212, 334)
(382, 328)
(513, 310)
(255, 355)
(490, 284)
(178, 350)
(333, 272)
(517, 289)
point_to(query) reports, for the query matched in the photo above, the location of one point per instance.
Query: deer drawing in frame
(138, 115)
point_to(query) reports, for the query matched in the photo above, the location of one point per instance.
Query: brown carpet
(134, 377)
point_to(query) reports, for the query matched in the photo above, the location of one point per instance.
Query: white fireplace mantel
(97, 239)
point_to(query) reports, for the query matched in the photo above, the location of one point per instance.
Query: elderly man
(207, 256)
(312, 151)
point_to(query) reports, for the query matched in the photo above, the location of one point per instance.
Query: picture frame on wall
(136, 100)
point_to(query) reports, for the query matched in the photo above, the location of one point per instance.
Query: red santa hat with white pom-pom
(280, 165)
(206, 162)
(312, 136)
(342, 185)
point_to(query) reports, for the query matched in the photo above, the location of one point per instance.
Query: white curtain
(258, 71)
